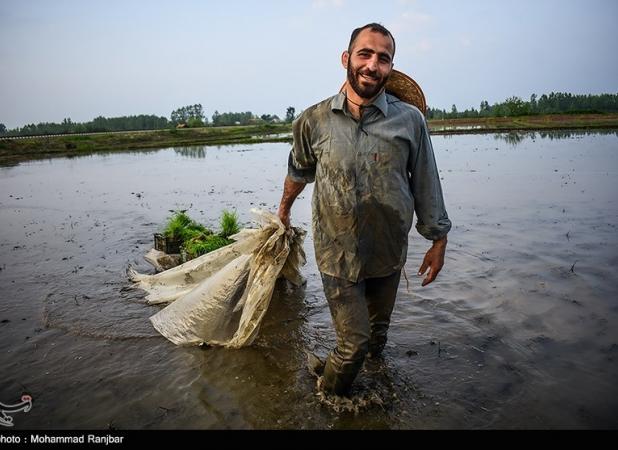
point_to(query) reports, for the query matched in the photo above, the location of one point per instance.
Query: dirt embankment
(15, 150)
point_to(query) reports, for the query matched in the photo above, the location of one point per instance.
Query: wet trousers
(361, 313)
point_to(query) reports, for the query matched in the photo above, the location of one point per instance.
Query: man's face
(369, 63)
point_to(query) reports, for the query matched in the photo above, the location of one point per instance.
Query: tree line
(554, 103)
(98, 124)
(185, 116)
(248, 118)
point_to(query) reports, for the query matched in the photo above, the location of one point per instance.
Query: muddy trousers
(361, 314)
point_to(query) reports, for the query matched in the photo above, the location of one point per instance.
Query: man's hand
(434, 260)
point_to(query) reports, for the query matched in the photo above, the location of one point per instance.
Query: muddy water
(519, 331)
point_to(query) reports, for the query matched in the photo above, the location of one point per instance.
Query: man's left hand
(434, 260)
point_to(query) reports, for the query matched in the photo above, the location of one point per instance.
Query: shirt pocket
(378, 163)
(387, 175)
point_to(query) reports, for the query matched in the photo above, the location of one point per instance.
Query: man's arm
(291, 190)
(301, 167)
(432, 219)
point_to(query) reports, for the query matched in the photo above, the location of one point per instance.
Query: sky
(82, 59)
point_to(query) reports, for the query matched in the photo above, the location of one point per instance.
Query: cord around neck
(352, 101)
(358, 104)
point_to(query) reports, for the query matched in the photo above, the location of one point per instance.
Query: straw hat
(405, 89)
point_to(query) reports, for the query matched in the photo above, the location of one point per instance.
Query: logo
(25, 405)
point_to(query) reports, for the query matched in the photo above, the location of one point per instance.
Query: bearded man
(372, 161)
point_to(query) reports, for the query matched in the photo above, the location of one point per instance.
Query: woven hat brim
(406, 89)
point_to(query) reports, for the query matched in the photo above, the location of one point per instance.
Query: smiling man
(371, 158)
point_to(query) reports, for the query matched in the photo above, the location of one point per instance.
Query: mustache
(368, 73)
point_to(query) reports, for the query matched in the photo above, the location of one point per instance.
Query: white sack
(221, 298)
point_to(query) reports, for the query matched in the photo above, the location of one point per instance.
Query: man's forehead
(369, 38)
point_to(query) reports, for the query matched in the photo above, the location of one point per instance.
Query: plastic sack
(220, 298)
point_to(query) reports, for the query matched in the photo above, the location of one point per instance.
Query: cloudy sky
(81, 59)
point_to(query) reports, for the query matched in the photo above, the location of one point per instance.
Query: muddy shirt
(370, 177)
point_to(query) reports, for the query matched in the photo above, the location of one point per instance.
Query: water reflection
(194, 151)
(282, 136)
(17, 159)
(515, 138)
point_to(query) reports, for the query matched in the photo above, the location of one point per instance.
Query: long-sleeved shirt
(370, 177)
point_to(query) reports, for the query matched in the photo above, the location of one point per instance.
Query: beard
(367, 92)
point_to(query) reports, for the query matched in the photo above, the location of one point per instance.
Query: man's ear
(345, 59)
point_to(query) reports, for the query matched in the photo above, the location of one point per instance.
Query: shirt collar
(380, 102)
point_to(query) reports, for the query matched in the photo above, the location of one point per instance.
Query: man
(371, 158)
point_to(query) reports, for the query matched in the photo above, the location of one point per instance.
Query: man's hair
(373, 27)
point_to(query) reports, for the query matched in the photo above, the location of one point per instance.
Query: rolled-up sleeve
(302, 161)
(432, 219)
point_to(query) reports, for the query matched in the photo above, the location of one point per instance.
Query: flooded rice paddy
(519, 331)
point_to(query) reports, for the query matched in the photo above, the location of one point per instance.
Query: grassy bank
(524, 123)
(15, 150)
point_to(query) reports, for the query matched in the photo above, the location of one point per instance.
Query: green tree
(290, 114)
(2, 128)
(232, 118)
(484, 109)
(515, 106)
(533, 104)
(184, 114)
(435, 113)
(195, 122)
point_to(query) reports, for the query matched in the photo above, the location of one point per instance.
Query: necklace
(353, 102)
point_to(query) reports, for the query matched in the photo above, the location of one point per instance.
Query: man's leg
(348, 309)
(380, 294)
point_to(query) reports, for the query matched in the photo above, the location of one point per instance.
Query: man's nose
(372, 64)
